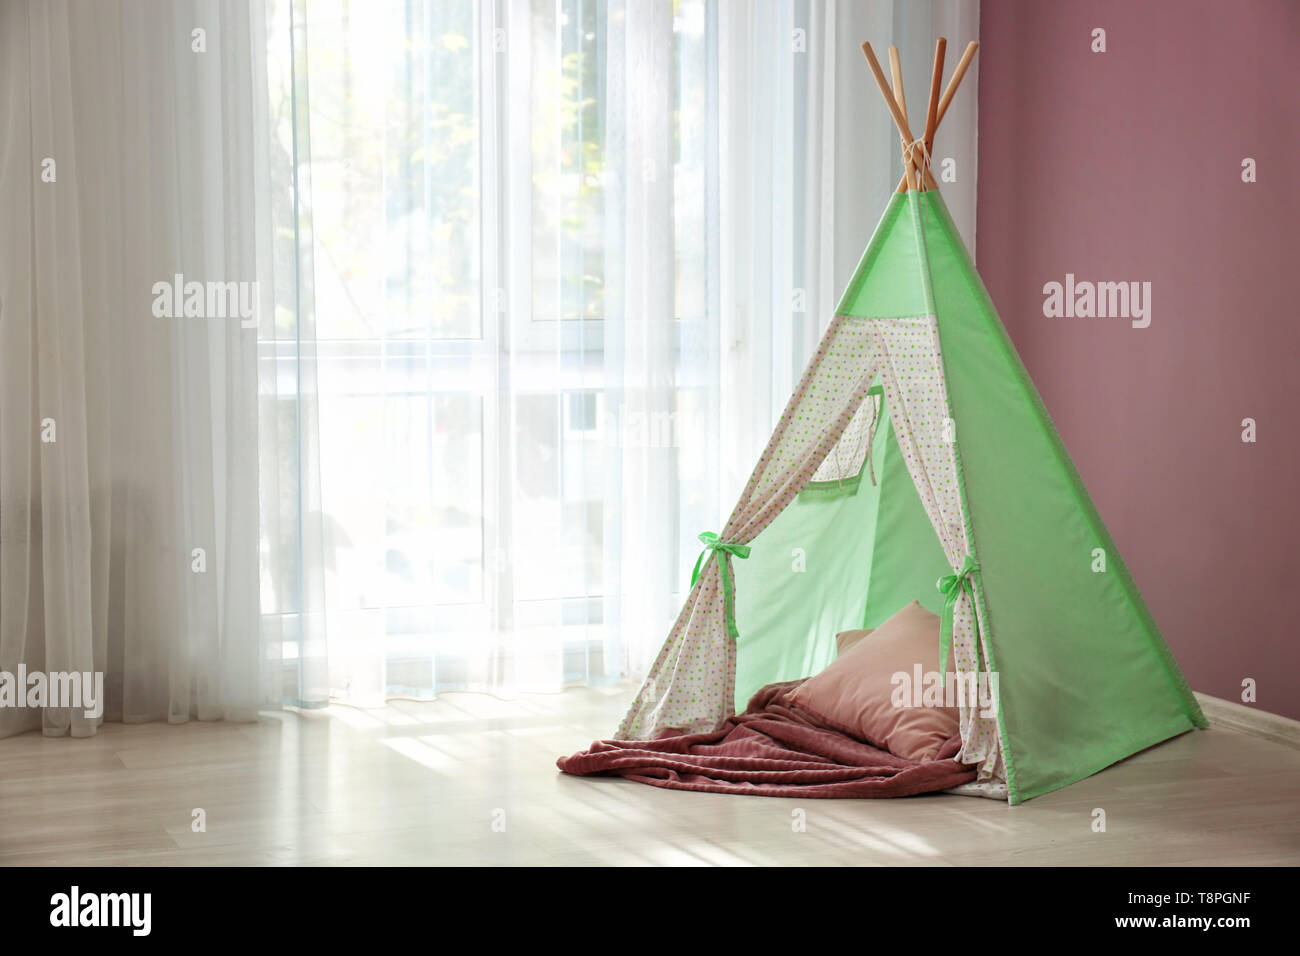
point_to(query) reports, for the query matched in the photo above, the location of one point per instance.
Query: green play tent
(916, 449)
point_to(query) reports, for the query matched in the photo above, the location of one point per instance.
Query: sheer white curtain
(558, 265)
(128, 438)
(533, 278)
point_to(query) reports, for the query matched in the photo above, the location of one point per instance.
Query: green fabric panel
(788, 619)
(909, 559)
(1085, 677)
(887, 282)
(866, 555)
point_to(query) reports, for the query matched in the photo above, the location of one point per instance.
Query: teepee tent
(916, 448)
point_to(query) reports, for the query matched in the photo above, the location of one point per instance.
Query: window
(463, 177)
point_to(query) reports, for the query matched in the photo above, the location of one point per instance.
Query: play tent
(916, 449)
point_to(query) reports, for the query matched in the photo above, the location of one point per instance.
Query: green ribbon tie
(724, 550)
(951, 586)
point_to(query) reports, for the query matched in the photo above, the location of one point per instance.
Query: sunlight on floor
(467, 779)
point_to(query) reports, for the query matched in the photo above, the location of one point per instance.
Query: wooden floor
(425, 783)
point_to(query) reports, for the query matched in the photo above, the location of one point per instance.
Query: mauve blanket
(771, 750)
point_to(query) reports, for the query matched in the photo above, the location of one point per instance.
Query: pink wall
(1126, 165)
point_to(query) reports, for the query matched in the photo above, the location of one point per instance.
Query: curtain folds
(482, 310)
(128, 429)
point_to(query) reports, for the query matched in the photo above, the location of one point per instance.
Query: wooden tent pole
(899, 119)
(936, 78)
(896, 72)
(962, 66)
(932, 106)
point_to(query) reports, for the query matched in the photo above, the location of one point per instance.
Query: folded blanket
(773, 749)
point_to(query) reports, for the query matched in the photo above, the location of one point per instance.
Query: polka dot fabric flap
(690, 685)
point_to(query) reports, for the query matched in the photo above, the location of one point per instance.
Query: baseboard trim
(1250, 720)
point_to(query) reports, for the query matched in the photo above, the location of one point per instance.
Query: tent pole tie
(952, 586)
(917, 154)
(875, 421)
(724, 550)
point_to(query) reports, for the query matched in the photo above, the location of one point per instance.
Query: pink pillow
(855, 694)
(846, 639)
